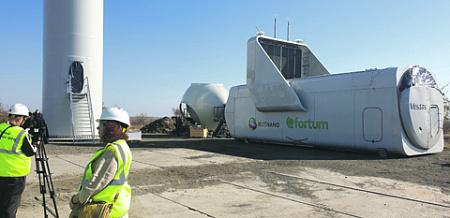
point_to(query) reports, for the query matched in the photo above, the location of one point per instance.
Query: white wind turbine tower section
(72, 66)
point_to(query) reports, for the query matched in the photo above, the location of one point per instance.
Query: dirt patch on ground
(167, 125)
(430, 170)
(258, 161)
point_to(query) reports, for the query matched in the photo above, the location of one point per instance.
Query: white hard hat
(19, 109)
(117, 114)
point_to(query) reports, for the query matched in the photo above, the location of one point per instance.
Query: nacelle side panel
(270, 91)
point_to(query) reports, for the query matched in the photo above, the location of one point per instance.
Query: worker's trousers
(11, 189)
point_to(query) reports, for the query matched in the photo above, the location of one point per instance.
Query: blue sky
(154, 50)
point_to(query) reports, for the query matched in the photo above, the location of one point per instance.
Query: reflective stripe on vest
(118, 191)
(14, 162)
(121, 179)
(14, 147)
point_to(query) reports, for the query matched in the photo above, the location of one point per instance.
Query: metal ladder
(83, 128)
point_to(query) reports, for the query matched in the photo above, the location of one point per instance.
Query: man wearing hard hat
(15, 159)
(105, 178)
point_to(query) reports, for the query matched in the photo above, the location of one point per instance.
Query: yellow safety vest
(119, 185)
(13, 162)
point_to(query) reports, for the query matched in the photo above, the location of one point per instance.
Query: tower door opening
(76, 77)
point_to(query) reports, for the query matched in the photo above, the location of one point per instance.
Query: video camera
(38, 127)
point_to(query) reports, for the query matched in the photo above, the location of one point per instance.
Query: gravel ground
(207, 167)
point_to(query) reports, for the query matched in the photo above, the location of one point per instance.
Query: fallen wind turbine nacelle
(291, 98)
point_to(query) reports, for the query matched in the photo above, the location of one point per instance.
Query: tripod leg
(49, 181)
(40, 171)
(42, 167)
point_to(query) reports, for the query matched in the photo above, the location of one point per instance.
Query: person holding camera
(105, 178)
(16, 150)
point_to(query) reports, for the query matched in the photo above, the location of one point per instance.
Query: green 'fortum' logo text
(306, 124)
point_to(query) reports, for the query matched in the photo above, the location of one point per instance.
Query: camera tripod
(45, 178)
(39, 133)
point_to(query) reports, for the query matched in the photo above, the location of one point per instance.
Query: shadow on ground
(253, 150)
